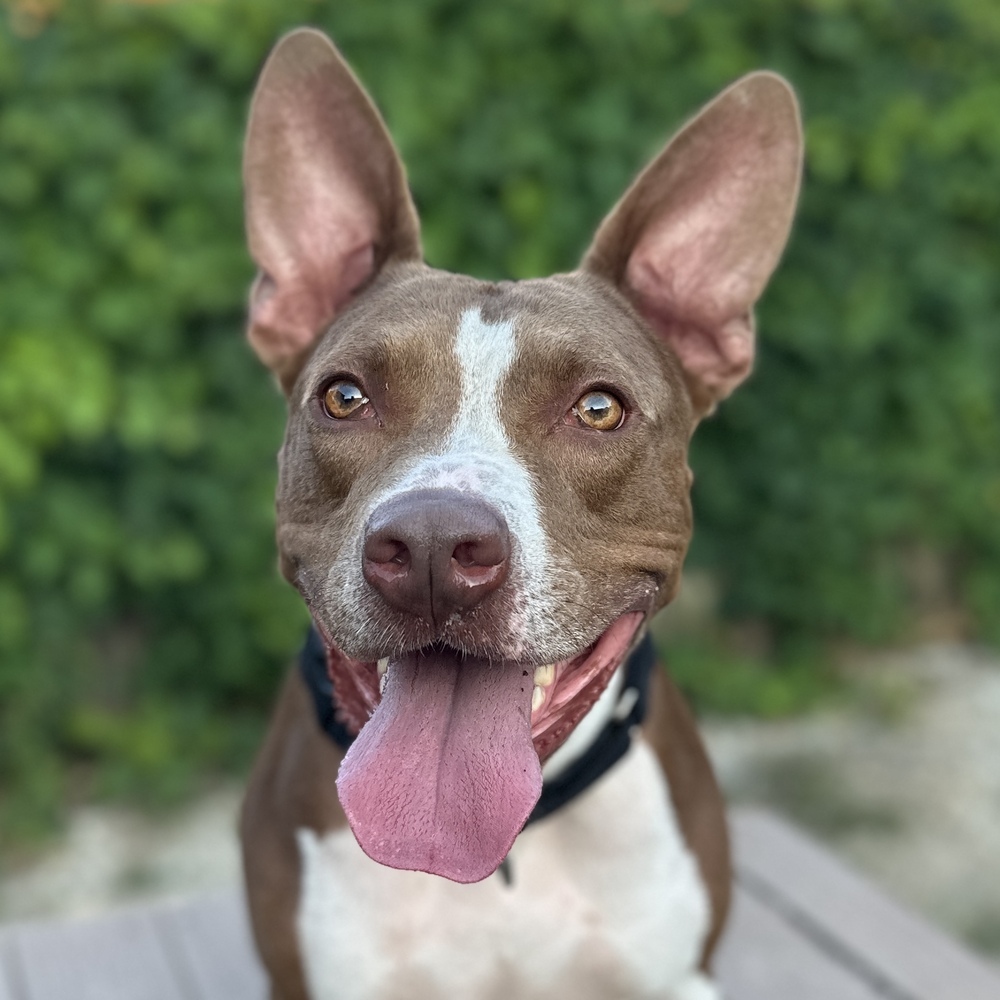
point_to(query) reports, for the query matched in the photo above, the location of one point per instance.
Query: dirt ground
(903, 780)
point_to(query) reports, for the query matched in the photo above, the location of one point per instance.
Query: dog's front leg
(288, 791)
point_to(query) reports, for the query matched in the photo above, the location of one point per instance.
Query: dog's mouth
(446, 767)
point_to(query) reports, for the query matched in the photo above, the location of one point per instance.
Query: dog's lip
(531, 658)
(565, 689)
(576, 683)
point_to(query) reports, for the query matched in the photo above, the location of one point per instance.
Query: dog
(483, 498)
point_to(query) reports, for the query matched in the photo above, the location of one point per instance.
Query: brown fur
(660, 313)
(290, 788)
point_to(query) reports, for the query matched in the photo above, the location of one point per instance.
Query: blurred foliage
(142, 625)
(719, 681)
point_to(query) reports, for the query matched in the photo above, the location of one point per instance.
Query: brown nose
(434, 552)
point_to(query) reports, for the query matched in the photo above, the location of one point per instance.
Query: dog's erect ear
(694, 240)
(327, 204)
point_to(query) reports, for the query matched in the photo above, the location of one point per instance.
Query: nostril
(389, 552)
(480, 562)
(477, 575)
(475, 554)
(485, 552)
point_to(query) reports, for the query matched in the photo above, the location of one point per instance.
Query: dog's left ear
(327, 203)
(695, 239)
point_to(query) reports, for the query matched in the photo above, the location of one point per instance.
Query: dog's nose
(434, 552)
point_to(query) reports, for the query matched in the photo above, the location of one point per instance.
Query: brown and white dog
(483, 498)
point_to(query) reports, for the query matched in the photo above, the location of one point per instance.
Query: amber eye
(343, 399)
(600, 410)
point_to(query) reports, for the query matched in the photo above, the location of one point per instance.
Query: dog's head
(483, 491)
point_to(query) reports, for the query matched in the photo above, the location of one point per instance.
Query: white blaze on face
(485, 353)
(477, 457)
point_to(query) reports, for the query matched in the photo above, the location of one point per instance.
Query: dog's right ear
(326, 199)
(695, 239)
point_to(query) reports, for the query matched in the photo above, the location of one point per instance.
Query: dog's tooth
(537, 698)
(382, 678)
(544, 676)
(383, 666)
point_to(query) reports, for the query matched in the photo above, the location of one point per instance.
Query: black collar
(611, 744)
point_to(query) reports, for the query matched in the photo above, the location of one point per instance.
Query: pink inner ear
(714, 361)
(287, 313)
(694, 241)
(311, 231)
(697, 269)
(326, 196)
(714, 346)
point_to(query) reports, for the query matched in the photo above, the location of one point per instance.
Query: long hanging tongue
(443, 776)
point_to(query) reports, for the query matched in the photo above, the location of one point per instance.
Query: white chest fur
(606, 902)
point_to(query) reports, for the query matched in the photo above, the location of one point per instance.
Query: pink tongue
(443, 776)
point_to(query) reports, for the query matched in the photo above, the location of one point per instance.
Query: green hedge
(142, 624)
